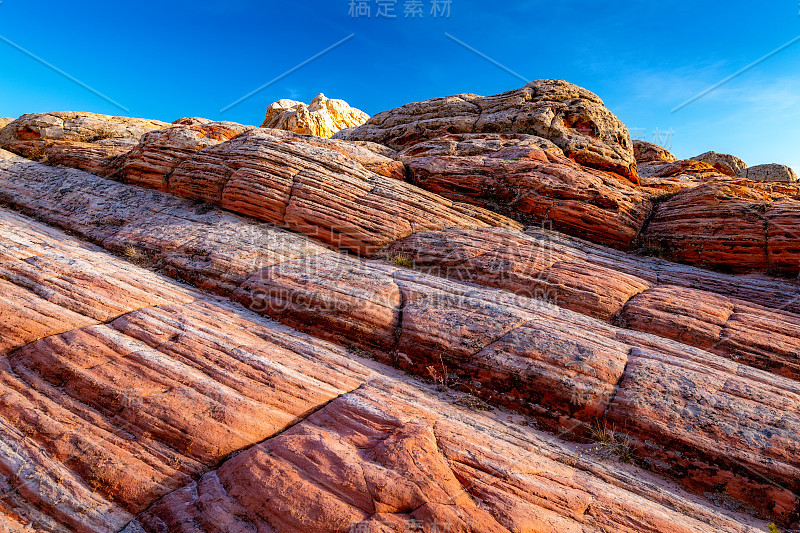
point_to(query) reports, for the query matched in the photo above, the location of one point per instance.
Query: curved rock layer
(139, 405)
(309, 188)
(325, 189)
(530, 181)
(740, 225)
(763, 335)
(139, 385)
(151, 162)
(575, 119)
(385, 458)
(566, 369)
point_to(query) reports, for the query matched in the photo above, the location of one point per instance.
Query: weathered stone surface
(152, 161)
(322, 117)
(728, 164)
(196, 243)
(468, 144)
(26, 317)
(520, 264)
(575, 119)
(387, 459)
(101, 420)
(783, 235)
(31, 134)
(379, 149)
(772, 172)
(564, 368)
(699, 419)
(5, 154)
(546, 269)
(697, 170)
(4, 121)
(374, 157)
(716, 224)
(739, 225)
(98, 158)
(751, 335)
(313, 189)
(645, 151)
(191, 121)
(519, 179)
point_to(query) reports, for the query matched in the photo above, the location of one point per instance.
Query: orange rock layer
(566, 369)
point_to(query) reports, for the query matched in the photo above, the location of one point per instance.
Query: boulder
(573, 118)
(191, 121)
(771, 172)
(30, 135)
(726, 163)
(322, 117)
(4, 121)
(526, 178)
(646, 151)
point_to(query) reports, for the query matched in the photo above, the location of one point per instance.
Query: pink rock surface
(202, 367)
(535, 185)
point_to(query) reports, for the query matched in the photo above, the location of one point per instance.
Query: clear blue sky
(177, 58)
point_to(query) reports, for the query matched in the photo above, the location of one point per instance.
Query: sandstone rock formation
(410, 463)
(560, 367)
(575, 119)
(191, 121)
(228, 328)
(527, 178)
(87, 141)
(772, 172)
(645, 151)
(660, 177)
(176, 381)
(726, 163)
(31, 134)
(733, 225)
(151, 162)
(308, 187)
(4, 121)
(764, 335)
(322, 117)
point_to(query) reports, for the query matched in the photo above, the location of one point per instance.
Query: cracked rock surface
(464, 315)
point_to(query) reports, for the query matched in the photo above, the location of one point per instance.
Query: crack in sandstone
(617, 385)
(213, 468)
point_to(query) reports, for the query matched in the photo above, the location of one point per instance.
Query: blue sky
(177, 58)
